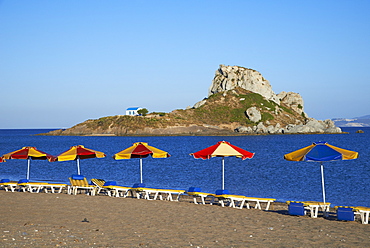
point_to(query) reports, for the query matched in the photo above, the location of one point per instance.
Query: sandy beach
(61, 220)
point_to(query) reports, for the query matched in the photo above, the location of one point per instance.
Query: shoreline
(181, 135)
(41, 219)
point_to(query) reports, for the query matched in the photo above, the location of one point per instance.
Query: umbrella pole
(78, 166)
(141, 170)
(28, 168)
(322, 181)
(223, 173)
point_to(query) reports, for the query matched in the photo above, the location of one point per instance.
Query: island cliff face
(240, 101)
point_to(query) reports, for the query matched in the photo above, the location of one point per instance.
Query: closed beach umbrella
(141, 150)
(321, 152)
(77, 153)
(29, 153)
(223, 149)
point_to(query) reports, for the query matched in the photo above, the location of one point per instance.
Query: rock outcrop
(312, 126)
(230, 77)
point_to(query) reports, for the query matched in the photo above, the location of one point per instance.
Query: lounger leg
(258, 205)
(38, 189)
(366, 219)
(267, 206)
(241, 204)
(314, 211)
(155, 196)
(126, 193)
(178, 197)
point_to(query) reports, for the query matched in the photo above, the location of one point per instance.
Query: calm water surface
(265, 175)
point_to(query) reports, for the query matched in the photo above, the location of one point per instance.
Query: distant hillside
(240, 100)
(363, 121)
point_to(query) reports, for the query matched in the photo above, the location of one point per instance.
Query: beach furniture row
(79, 184)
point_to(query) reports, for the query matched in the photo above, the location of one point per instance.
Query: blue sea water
(267, 174)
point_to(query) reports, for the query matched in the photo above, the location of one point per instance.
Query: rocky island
(240, 101)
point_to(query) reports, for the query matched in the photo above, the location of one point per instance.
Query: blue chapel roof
(133, 108)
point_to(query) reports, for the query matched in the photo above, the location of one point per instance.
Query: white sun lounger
(154, 194)
(238, 201)
(37, 187)
(9, 186)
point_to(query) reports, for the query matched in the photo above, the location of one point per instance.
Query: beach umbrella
(2, 160)
(77, 153)
(321, 152)
(28, 153)
(223, 149)
(141, 150)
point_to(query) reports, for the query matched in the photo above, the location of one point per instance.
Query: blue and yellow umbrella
(321, 152)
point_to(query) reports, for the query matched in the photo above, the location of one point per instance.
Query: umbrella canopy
(29, 153)
(223, 149)
(141, 150)
(77, 153)
(321, 152)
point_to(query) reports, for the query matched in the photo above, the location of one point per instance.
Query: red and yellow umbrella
(223, 149)
(141, 150)
(29, 153)
(2, 160)
(77, 153)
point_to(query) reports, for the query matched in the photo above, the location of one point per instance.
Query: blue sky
(63, 62)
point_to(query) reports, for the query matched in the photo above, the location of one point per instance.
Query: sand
(61, 220)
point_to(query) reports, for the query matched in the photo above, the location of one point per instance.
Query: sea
(267, 174)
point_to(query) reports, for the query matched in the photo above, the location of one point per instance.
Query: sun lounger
(99, 183)
(197, 193)
(145, 193)
(238, 201)
(364, 213)
(153, 193)
(167, 194)
(111, 188)
(313, 207)
(257, 202)
(37, 187)
(32, 187)
(79, 182)
(7, 185)
(349, 213)
(54, 187)
(230, 200)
